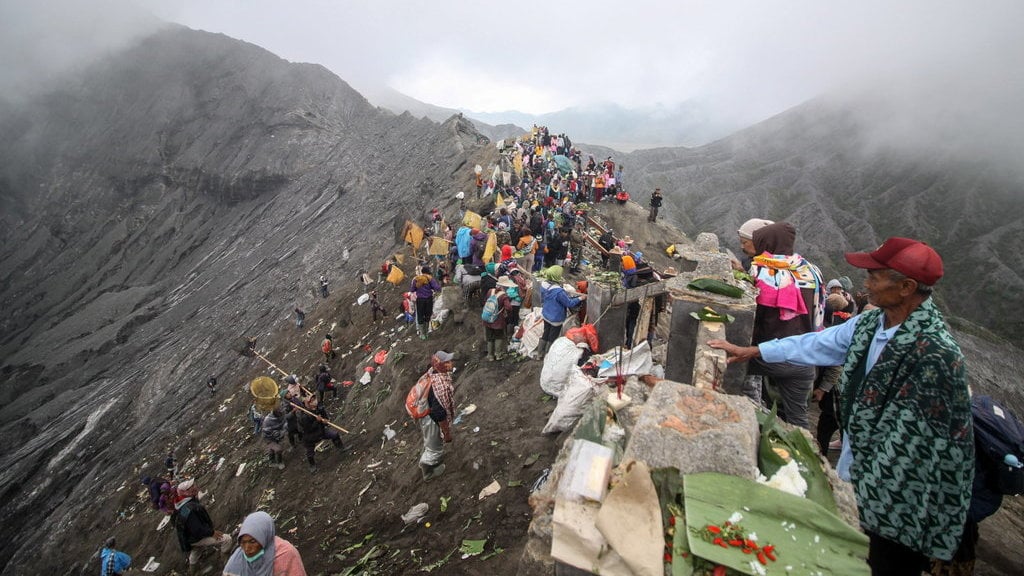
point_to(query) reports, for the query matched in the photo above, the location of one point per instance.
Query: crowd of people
(881, 364)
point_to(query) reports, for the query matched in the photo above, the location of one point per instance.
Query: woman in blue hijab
(261, 553)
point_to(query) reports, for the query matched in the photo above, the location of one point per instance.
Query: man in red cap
(905, 407)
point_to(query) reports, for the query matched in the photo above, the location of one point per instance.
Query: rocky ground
(345, 519)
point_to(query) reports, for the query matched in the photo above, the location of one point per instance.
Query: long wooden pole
(328, 422)
(275, 367)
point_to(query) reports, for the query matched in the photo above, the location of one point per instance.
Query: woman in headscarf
(261, 553)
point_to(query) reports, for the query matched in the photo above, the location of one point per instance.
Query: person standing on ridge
(323, 286)
(908, 437)
(655, 205)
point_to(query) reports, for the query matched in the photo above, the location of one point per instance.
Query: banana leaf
(807, 537)
(669, 485)
(798, 448)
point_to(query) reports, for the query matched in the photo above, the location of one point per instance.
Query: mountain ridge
(187, 193)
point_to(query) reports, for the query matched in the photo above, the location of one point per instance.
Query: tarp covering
(564, 164)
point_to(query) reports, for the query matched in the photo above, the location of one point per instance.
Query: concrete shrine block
(706, 242)
(683, 350)
(696, 430)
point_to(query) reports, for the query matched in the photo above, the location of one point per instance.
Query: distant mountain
(613, 126)
(397, 102)
(824, 167)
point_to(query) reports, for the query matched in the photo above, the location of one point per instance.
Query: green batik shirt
(910, 428)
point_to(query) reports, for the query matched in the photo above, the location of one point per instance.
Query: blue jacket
(121, 562)
(556, 301)
(462, 239)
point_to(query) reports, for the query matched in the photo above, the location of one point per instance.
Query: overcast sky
(743, 59)
(754, 56)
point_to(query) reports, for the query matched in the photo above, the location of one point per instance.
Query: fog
(941, 69)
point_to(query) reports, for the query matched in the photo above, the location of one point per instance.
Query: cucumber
(716, 286)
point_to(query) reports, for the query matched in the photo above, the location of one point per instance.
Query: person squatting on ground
(908, 438)
(193, 525)
(161, 495)
(555, 307)
(424, 286)
(314, 429)
(495, 315)
(261, 552)
(274, 427)
(436, 426)
(113, 562)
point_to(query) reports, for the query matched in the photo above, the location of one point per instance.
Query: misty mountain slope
(166, 201)
(824, 168)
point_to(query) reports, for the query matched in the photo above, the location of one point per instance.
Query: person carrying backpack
(435, 426)
(327, 347)
(113, 562)
(274, 426)
(495, 314)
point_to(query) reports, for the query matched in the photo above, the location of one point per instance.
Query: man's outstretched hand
(736, 353)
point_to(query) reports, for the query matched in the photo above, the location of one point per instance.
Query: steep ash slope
(832, 170)
(186, 191)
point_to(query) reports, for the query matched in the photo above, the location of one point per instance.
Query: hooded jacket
(778, 240)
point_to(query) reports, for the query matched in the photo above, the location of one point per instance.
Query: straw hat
(627, 239)
(506, 282)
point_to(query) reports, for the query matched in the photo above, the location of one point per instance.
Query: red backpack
(416, 403)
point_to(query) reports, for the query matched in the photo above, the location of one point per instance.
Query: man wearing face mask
(261, 552)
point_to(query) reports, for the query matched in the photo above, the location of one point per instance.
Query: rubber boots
(499, 349)
(279, 456)
(542, 349)
(430, 472)
(490, 350)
